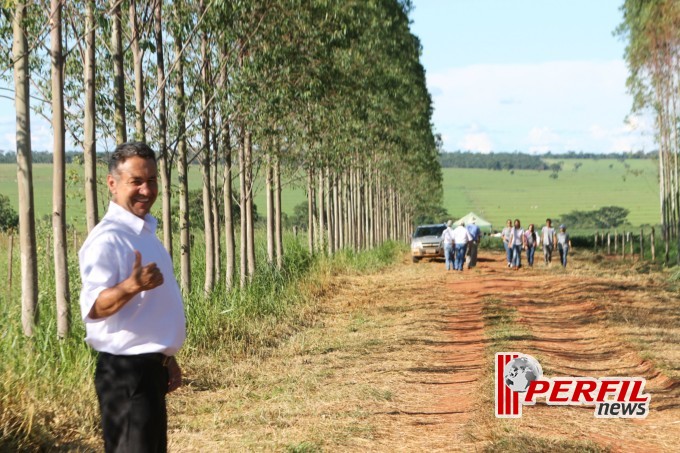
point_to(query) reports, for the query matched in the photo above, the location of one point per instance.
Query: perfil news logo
(520, 382)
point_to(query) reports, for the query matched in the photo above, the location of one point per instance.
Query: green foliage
(299, 218)
(9, 219)
(605, 217)
(431, 214)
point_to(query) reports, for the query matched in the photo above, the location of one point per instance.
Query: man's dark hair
(548, 220)
(127, 150)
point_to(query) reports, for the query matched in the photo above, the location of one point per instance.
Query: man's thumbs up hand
(146, 277)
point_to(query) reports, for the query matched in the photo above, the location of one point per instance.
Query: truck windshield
(429, 231)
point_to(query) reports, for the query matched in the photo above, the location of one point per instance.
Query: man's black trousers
(131, 392)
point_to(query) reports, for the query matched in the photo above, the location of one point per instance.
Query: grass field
(532, 195)
(528, 195)
(75, 205)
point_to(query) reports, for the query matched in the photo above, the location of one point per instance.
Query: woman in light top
(531, 241)
(505, 236)
(517, 243)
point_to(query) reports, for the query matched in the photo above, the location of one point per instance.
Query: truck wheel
(415, 260)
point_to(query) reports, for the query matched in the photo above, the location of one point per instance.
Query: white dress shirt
(461, 235)
(448, 236)
(152, 321)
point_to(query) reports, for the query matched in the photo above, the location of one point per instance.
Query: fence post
(653, 244)
(630, 241)
(609, 243)
(616, 242)
(595, 243)
(642, 246)
(623, 245)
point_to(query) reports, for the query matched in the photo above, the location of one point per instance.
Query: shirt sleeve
(98, 271)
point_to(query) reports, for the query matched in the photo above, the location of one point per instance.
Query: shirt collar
(136, 224)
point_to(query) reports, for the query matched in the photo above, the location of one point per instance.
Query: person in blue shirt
(473, 245)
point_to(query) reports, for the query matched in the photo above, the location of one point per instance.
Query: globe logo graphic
(520, 372)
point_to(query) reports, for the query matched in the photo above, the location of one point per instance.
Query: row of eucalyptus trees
(652, 34)
(328, 95)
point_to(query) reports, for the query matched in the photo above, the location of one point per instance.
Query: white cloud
(577, 105)
(542, 139)
(478, 141)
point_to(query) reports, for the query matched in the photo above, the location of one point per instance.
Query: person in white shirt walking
(132, 308)
(448, 245)
(516, 243)
(548, 239)
(461, 236)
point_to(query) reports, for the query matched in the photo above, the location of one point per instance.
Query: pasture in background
(533, 195)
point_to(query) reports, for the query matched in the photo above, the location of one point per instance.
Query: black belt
(153, 356)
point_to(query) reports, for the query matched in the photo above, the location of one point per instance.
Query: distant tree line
(523, 161)
(492, 161)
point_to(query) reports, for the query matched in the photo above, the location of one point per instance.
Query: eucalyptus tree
(89, 132)
(29, 262)
(58, 173)
(653, 57)
(117, 60)
(178, 29)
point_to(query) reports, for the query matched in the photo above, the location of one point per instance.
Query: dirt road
(403, 360)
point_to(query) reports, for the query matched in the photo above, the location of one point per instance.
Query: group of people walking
(460, 242)
(515, 239)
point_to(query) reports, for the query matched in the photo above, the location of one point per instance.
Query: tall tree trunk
(207, 210)
(118, 73)
(269, 195)
(250, 235)
(229, 240)
(89, 139)
(183, 173)
(137, 55)
(215, 192)
(165, 165)
(310, 209)
(278, 232)
(207, 195)
(336, 212)
(321, 237)
(59, 174)
(242, 205)
(329, 212)
(29, 260)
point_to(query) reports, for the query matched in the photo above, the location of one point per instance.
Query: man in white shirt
(461, 236)
(132, 308)
(447, 235)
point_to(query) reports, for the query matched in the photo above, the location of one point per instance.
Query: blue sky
(528, 75)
